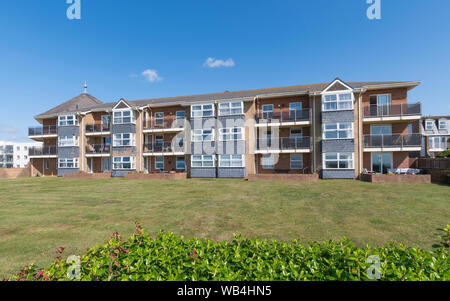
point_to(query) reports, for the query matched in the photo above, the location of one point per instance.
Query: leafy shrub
(445, 154)
(172, 257)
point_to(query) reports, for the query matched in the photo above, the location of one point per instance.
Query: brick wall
(14, 173)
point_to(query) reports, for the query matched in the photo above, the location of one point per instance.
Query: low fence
(14, 173)
(85, 175)
(438, 168)
(284, 177)
(378, 178)
(156, 176)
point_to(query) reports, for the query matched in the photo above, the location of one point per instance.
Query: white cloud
(151, 75)
(215, 63)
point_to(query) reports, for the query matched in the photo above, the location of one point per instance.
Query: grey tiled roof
(88, 103)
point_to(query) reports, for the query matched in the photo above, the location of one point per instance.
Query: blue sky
(45, 57)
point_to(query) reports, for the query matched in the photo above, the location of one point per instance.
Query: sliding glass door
(381, 162)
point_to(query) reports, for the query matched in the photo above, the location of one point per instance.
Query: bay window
(123, 117)
(67, 120)
(205, 110)
(68, 163)
(202, 161)
(124, 139)
(338, 130)
(231, 134)
(231, 161)
(338, 160)
(231, 108)
(336, 102)
(68, 141)
(202, 135)
(437, 143)
(123, 163)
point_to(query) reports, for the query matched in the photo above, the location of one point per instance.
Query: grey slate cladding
(209, 172)
(338, 145)
(203, 148)
(231, 172)
(124, 149)
(231, 147)
(69, 152)
(123, 128)
(69, 131)
(338, 116)
(121, 172)
(338, 173)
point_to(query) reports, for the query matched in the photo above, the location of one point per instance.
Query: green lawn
(37, 215)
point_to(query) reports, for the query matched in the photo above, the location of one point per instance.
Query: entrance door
(147, 164)
(90, 162)
(384, 104)
(106, 164)
(381, 162)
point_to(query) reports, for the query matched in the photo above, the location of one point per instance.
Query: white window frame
(338, 101)
(442, 122)
(229, 135)
(158, 161)
(198, 111)
(159, 117)
(338, 160)
(177, 117)
(226, 108)
(119, 164)
(198, 135)
(429, 122)
(272, 161)
(63, 163)
(67, 141)
(338, 130)
(195, 158)
(63, 120)
(177, 161)
(291, 161)
(120, 139)
(440, 146)
(120, 119)
(232, 159)
(265, 109)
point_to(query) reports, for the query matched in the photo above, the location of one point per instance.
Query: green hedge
(171, 257)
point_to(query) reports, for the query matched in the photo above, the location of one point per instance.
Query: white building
(15, 154)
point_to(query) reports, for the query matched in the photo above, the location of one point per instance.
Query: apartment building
(336, 129)
(15, 154)
(436, 135)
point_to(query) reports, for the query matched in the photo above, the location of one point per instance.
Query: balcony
(97, 129)
(283, 145)
(98, 150)
(43, 152)
(284, 118)
(164, 149)
(41, 132)
(164, 125)
(378, 143)
(393, 112)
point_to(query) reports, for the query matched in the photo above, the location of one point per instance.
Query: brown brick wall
(282, 103)
(284, 177)
(170, 163)
(38, 166)
(284, 163)
(396, 178)
(398, 95)
(399, 160)
(14, 173)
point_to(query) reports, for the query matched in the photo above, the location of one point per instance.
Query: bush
(445, 154)
(172, 257)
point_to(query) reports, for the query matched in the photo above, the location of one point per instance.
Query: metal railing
(166, 147)
(280, 116)
(403, 109)
(42, 130)
(42, 151)
(284, 143)
(98, 149)
(381, 141)
(165, 123)
(97, 128)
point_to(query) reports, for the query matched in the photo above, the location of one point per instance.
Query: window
(385, 129)
(123, 117)
(438, 143)
(338, 161)
(267, 111)
(181, 114)
(159, 163)
(159, 118)
(123, 163)
(335, 102)
(429, 125)
(267, 162)
(159, 140)
(338, 130)
(66, 163)
(231, 134)
(206, 110)
(25, 148)
(202, 161)
(231, 161)
(296, 161)
(181, 164)
(68, 141)
(47, 163)
(442, 124)
(25, 157)
(18, 148)
(231, 108)
(202, 135)
(67, 120)
(296, 134)
(410, 128)
(124, 139)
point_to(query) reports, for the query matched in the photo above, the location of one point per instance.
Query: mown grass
(37, 215)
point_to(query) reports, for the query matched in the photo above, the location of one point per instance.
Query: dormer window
(123, 117)
(429, 125)
(67, 120)
(442, 124)
(337, 101)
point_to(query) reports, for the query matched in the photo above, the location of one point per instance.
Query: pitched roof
(87, 102)
(75, 104)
